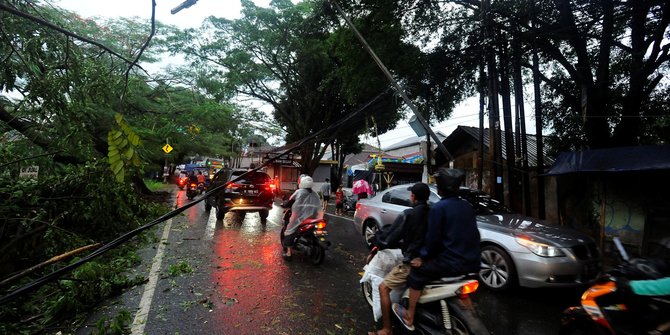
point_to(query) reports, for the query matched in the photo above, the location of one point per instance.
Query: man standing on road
(325, 193)
(410, 228)
(451, 245)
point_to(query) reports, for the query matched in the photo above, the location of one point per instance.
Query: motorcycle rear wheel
(366, 288)
(318, 253)
(458, 327)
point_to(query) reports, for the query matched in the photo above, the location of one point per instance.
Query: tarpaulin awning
(622, 159)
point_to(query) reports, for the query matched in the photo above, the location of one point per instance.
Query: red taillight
(233, 185)
(321, 225)
(468, 287)
(358, 206)
(194, 185)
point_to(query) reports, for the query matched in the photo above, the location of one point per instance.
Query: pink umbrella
(361, 186)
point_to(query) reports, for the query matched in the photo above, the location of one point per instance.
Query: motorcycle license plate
(321, 233)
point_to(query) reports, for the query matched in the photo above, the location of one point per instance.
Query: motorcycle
(192, 191)
(605, 309)
(443, 308)
(181, 182)
(310, 239)
(349, 203)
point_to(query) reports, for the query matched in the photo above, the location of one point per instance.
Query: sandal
(400, 312)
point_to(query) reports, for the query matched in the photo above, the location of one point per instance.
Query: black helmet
(448, 180)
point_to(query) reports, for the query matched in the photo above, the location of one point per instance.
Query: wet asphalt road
(239, 284)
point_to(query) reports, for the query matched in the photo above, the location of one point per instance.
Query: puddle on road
(192, 213)
(250, 278)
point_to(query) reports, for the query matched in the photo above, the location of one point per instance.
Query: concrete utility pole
(395, 84)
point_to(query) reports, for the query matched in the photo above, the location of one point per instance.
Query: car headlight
(540, 249)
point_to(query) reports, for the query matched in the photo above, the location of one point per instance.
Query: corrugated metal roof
(453, 141)
(413, 140)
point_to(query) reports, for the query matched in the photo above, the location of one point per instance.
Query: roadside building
(464, 145)
(616, 192)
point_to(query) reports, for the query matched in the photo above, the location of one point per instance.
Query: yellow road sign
(167, 148)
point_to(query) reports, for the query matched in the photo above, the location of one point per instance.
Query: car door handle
(383, 211)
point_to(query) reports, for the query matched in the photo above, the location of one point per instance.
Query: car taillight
(358, 205)
(270, 187)
(233, 185)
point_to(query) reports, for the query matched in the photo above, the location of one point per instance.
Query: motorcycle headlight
(540, 249)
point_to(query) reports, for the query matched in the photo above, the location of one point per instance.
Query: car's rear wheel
(497, 270)
(369, 231)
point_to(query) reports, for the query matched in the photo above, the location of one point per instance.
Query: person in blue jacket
(451, 245)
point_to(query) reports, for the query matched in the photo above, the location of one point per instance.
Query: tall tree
(287, 57)
(603, 62)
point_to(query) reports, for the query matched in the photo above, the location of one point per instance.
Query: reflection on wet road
(525, 311)
(261, 293)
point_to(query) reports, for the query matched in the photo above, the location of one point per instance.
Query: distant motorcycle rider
(192, 178)
(305, 204)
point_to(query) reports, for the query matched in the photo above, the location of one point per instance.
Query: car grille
(585, 251)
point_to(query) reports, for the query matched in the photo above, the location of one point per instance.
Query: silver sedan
(516, 249)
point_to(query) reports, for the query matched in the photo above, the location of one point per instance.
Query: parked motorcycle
(181, 182)
(349, 203)
(443, 308)
(192, 191)
(310, 239)
(607, 309)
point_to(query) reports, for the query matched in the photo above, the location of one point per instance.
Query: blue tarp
(639, 158)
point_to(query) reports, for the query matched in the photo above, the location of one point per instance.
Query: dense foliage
(94, 127)
(603, 64)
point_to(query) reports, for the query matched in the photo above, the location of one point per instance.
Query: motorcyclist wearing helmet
(305, 204)
(451, 246)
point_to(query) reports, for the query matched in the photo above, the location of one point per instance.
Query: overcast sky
(467, 113)
(187, 18)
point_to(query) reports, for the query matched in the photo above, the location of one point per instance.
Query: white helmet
(306, 182)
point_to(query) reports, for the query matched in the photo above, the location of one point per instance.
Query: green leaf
(120, 177)
(129, 153)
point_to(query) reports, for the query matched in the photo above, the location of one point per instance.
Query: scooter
(310, 239)
(192, 191)
(606, 310)
(443, 308)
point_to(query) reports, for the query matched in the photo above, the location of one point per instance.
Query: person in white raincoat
(305, 205)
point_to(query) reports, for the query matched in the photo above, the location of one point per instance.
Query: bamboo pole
(50, 261)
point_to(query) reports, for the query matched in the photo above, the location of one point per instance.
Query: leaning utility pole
(395, 84)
